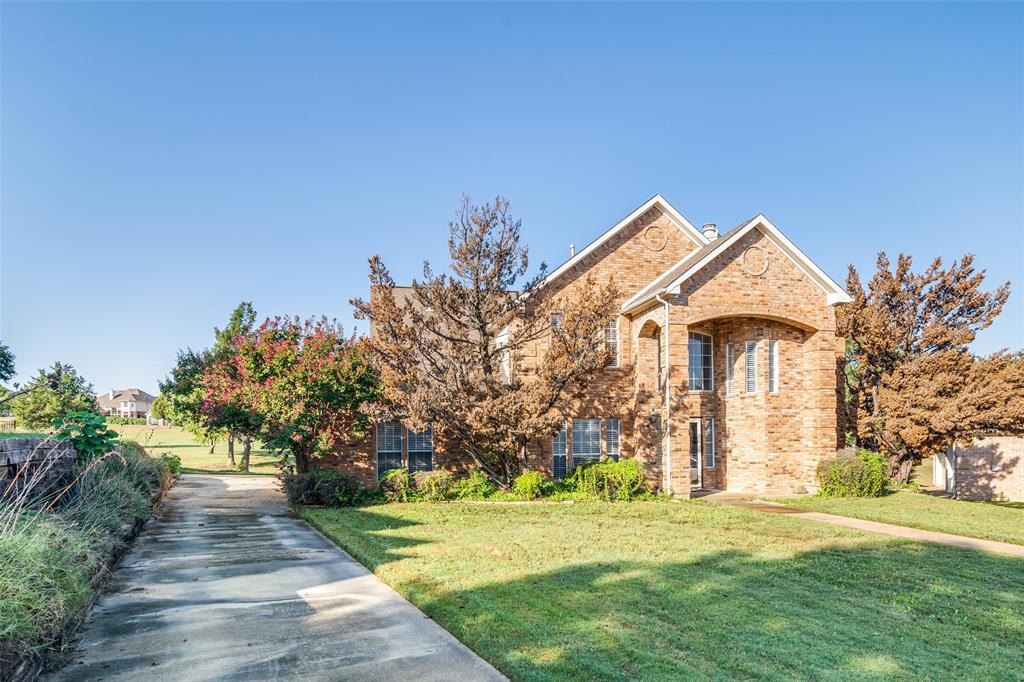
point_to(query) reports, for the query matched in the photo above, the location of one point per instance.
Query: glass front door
(695, 469)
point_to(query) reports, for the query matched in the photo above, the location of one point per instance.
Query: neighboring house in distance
(125, 402)
(989, 468)
(725, 371)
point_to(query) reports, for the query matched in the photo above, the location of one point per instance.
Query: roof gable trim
(674, 216)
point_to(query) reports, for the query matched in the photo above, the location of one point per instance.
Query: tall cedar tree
(304, 380)
(913, 387)
(447, 354)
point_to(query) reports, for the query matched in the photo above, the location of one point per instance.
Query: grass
(53, 562)
(690, 590)
(196, 457)
(920, 510)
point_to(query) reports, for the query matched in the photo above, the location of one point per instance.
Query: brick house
(725, 374)
(989, 467)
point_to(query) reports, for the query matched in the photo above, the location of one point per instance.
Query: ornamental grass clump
(853, 473)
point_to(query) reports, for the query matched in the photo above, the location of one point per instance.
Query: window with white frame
(750, 366)
(709, 442)
(501, 342)
(558, 453)
(773, 366)
(611, 342)
(421, 450)
(612, 432)
(586, 440)
(729, 383)
(700, 365)
(389, 447)
(556, 322)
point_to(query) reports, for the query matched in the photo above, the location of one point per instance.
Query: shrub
(476, 486)
(530, 485)
(300, 488)
(135, 421)
(173, 463)
(398, 485)
(850, 473)
(435, 486)
(621, 480)
(334, 488)
(88, 432)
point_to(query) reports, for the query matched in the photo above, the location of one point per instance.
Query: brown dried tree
(447, 350)
(913, 386)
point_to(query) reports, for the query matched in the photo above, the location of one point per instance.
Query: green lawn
(919, 510)
(691, 590)
(195, 457)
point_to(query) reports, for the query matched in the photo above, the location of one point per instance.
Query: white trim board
(674, 216)
(672, 280)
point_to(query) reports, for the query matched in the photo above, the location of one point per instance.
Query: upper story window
(773, 366)
(750, 366)
(729, 382)
(556, 322)
(500, 342)
(701, 374)
(611, 342)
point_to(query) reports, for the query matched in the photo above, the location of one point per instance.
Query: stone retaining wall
(47, 464)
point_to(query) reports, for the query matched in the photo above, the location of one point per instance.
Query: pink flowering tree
(299, 385)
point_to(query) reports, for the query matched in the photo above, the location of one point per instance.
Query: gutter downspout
(668, 403)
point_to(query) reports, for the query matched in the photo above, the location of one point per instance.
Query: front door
(696, 479)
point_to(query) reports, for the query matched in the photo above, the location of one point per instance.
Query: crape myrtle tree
(234, 419)
(913, 387)
(446, 353)
(303, 380)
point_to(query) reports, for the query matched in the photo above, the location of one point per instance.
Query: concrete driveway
(226, 584)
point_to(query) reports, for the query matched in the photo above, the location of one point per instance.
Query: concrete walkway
(993, 546)
(227, 584)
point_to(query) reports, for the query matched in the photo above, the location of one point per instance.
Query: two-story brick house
(725, 372)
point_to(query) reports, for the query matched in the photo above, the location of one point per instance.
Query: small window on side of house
(729, 383)
(750, 366)
(556, 322)
(773, 366)
(558, 453)
(611, 342)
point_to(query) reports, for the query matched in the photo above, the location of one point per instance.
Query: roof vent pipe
(572, 250)
(710, 232)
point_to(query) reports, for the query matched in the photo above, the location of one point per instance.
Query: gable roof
(676, 275)
(674, 216)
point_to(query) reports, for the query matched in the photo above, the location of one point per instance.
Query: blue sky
(163, 161)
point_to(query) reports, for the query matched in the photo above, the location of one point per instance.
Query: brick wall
(991, 468)
(766, 443)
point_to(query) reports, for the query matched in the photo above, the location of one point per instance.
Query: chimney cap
(572, 249)
(710, 231)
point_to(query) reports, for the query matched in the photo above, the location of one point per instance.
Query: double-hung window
(586, 440)
(612, 432)
(750, 366)
(556, 322)
(558, 454)
(389, 447)
(421, 450)
(729, 383)
(773, 366)
(701, 375)
(611, 342)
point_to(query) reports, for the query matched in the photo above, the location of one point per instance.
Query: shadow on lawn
(874, 610)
